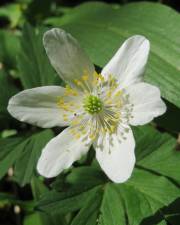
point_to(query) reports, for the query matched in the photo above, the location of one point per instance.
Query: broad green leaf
(157, 152)
(138, 201)
(102, 28)
(34, 67)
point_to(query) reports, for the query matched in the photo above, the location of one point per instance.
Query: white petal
(147, 103)
(116, 155)
(66, 56)
(38, 106)
(60, 153)
(129, 62)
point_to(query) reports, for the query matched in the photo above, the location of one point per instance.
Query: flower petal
(129, 62)
(38, 106)
(147, 103)
(116, 155)
(66, 55)
(60, 153)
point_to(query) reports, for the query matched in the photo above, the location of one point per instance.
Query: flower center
(92, 104)
(97, 106)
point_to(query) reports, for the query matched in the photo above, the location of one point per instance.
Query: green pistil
(92, 104)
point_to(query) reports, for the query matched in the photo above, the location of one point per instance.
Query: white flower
(98, 108)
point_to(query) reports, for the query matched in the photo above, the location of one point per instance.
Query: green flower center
(92, 104)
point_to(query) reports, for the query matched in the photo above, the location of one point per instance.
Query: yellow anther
(72, 131)
(77, 136)
(92, 136)
(109, 102)
(109, 93)
(75, 122)
(118, 93)
(70, 91)
(65, 117)
(85, 77)
(100, 76)
(77, 82)
(112, 129)
(95, 74)
(84, 131)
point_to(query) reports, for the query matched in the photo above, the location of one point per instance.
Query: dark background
(173, 3)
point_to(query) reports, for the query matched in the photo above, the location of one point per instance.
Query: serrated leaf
(31, 149)
(134, 202)
(64, 202)
(145, 193)
(24, 153)
(8, 153)
(157, 152)
(102, 28)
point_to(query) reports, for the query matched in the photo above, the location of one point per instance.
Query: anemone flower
(96, 108)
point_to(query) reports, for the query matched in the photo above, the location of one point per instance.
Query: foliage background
(83, 195)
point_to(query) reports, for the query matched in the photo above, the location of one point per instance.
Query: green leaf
(105, 207)
(24, 153)
(32, 219)
(65, 202)
(89, 213)
(9, 48)
(34, 66)
(9, 153)
(102, 28)
(145, 193)
(31, 149)
(138, 201)
(157, 152)
(12, 12)
(39, 218)
(7, 90)
(38, 188)
(86, 177)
